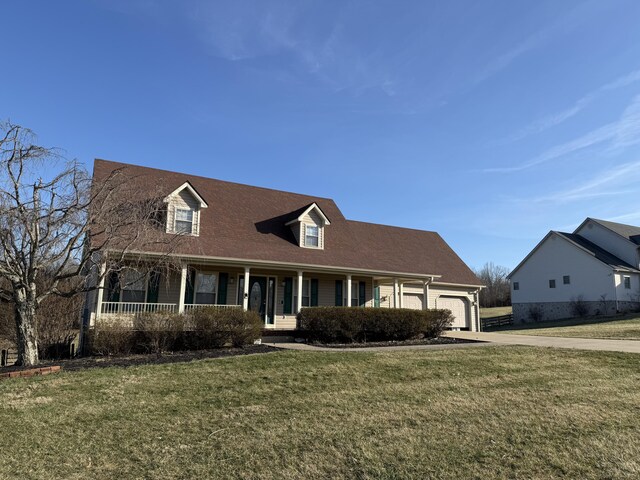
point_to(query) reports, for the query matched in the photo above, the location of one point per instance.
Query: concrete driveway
(628, 346)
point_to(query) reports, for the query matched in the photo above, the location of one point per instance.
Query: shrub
(214, 327)
(354, 324)
(111, 339)
(160, 331)
(535, 313)
(578, 306)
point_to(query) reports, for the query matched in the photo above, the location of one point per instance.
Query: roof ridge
(214, 179)
(392, 226)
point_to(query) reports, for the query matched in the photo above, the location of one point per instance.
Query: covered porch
(276, 293)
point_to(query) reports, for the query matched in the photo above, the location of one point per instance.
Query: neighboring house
(276, 252)
(598, 265)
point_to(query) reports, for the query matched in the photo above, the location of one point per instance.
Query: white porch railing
(134, 308)
(191, 307)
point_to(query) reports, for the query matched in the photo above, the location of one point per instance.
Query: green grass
(626, 328)
(493, 412)
(495, 312)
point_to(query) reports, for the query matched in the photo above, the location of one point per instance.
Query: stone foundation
(548, 311)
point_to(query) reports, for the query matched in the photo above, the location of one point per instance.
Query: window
(552, 284)
(184, 220)
(627, 283)
(134, 286)
(516, 285)
(306, 292)
(355, 300)
(311, 236)
(566, 280)
(205, 288)
(306, 296)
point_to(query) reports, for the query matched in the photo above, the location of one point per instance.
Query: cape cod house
(595, 269)
(277, 252)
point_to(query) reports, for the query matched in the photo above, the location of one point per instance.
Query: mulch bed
(83, 363)
(423, 341)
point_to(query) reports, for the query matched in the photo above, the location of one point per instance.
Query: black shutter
(113, 287)
(223, 279)
(288, 291)
(314, 292)
(191, 283)
(154, 287)
(362, 286)
(376, 297)
(339, 300)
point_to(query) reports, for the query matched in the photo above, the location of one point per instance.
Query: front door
(261, 297)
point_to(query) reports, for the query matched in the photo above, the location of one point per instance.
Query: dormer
(308, 227)
(184, 205)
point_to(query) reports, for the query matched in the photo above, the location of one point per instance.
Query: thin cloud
(623, 133)
(622, 179)
(559, 117)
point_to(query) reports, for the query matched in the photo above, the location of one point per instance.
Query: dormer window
(312, 236)
(184, 206)
(184, 220)
(308, 226)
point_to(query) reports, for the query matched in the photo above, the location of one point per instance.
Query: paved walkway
(315, 348)
(629, 346)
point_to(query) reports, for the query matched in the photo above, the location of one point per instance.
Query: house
(595, 269)
(277, 252)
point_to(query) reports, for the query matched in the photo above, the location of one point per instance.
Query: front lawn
(625, 328)
(495, 312)
(495, 412)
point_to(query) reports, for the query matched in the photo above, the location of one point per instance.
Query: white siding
(611, 242)
(183, 199)
(555, 258)
(627, 294)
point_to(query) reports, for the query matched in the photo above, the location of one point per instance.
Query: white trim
(408, 277)
(313, 206)
(187, 186)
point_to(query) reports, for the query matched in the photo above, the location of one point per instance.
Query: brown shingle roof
(246, 222)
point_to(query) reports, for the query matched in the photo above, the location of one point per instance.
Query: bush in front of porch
(354, 324)
(159, 332)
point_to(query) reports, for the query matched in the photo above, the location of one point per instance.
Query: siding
(611, 242)
(555, 258)
(184, 199)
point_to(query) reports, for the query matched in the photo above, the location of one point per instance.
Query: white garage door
(458, 308)
(412, 300)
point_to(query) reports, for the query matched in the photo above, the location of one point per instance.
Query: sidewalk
(628, 346)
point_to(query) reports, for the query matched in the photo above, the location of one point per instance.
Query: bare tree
(497, 291)
(55, 228)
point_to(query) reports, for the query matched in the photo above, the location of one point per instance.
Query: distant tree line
(497, 291)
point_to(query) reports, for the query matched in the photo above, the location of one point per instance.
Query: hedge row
(354, 324)
(203, 328)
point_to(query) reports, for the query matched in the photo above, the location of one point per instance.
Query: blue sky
(490, 122)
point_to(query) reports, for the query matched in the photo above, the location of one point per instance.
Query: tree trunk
(26, 327)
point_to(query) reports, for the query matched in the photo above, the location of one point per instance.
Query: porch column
(477, 323)
(425, 295)
(102, 273)
(183, 287)
(401, 295)
(349, 290)
(245, 294)
(395, 293)
(299, 287)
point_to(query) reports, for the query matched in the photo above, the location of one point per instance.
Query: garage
(458, 307)
(412, 300)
